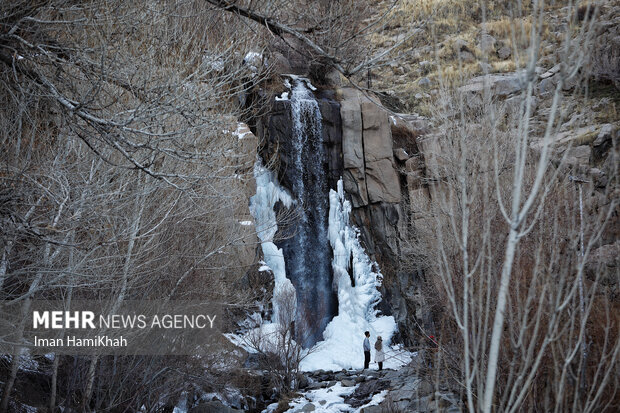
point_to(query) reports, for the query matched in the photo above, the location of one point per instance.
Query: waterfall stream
(307, 253)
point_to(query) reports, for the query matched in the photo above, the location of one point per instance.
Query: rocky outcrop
(404, 390)
(370, 176)
(384, 175)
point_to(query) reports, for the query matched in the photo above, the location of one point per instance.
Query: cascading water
(308, 254)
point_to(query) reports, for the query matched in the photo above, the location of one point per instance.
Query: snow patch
(296, 77)
(242, 131)
(333, 398)
(283, 97)
(343, 336)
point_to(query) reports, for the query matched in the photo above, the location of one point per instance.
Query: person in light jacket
(379, 355)
(366, 349)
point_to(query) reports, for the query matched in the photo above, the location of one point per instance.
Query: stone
(466, 57)
(400, 154)
(579, 155)
(574, 137)
(555, 69)
(382, 182)
(399, 395)
(364, 392)
(499, 84)
(424, 82)
(333, 78)
(372, 409)
(603, 141)
(487, 44)
(309, 407)
(315, 386)
(347, 383)
(425, 387)
(504, 52)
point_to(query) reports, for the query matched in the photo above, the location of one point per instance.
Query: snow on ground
(328, 400)
(344, 335)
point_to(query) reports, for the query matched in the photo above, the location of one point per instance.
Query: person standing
(366, 349)
(379, 355)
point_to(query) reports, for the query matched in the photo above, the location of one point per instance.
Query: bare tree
(502, 242)
(122, 173)
(278, 345)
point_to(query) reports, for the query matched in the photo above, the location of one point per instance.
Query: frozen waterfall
(334, 280)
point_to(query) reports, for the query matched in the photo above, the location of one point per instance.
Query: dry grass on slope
(450, 48)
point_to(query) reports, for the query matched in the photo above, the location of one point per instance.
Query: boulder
(547, 86)
(401, 155)
(347, 383)
(309, 407)
(487, 44)
(504, 52)
(364, 392)
(382, 181)
(466, 57)
(603, 141)
(425, 82)
(499, 84)
(579, 155)
(573, 137)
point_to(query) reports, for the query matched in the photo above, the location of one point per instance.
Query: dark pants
(366, 359)
(380, 363)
